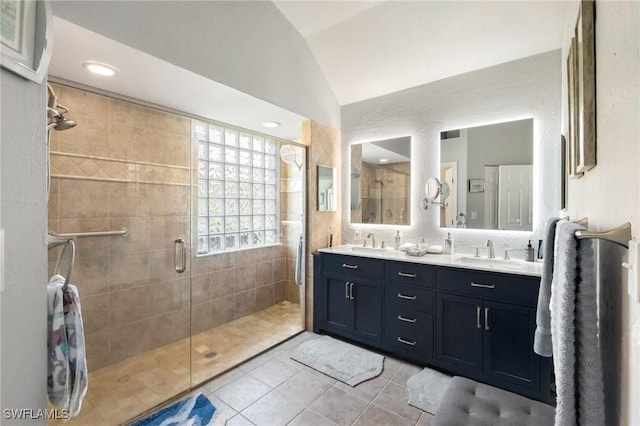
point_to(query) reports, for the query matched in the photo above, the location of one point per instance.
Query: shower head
(61, 123)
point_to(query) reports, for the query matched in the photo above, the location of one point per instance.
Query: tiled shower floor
(121, 391)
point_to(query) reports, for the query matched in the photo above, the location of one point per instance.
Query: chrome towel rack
(123, 232)
(620, 235)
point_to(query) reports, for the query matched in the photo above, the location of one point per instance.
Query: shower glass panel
(244, 246)
(126, 166)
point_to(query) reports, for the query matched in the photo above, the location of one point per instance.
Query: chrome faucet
(492, 254)
(373, 237)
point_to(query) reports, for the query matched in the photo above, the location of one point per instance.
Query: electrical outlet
(357, 234)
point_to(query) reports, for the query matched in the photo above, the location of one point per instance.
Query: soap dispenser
(398, 241)
(529, 254)
(448, 244)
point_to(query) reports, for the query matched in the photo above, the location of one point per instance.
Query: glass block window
(238, 194)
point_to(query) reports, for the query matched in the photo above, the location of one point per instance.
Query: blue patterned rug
(196, 410)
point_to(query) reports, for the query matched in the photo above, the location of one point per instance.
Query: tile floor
(273, 390)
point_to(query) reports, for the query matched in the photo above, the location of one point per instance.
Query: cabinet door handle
(345, 265)
(180, 245)
(350, 291)
(486, 318)
(346, 289)
(482, 285)
(411, 320)
(406, 342)
(407, 275)
(478, 317)
(402, 296)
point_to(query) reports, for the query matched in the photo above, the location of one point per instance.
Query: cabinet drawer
(409, 273)
(354, 266)
(409, 330)
(408, 296)
(508, 288)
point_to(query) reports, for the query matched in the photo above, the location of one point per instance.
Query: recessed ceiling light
(100, 68)
(271, 124)
(384, 160)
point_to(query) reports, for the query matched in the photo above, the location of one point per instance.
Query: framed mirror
(489, 170)
(381, 181)
(327, 194)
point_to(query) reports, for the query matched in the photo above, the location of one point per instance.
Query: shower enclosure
(205, 277)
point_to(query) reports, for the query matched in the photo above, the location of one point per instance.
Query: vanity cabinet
(352, 298)
(471, 323)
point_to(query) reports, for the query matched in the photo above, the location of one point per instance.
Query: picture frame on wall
(564, 172)
(586, 87)
(476, 185)
(25, 38)
(573, 118)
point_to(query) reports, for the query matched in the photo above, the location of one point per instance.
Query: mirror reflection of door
(448, 210)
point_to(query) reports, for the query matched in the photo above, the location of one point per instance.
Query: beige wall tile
(128, 114)
(53, 207)
(222, 311)
(170, 123)
(89, 137)
(264, 297)
(97, 350)
(95, 313)
(82, 199)
(200, 289)
(129, 340)
(164, 230)
(245, 303)
(223, 283)
(169, 200)
(91, 275)
(169, 148)
(245, 278)
(129, 270)
(83, 102)
(162, 265)
(129, 142)
(88, 246)
(138, 238)
(264, 274)
(171, 327)
(129, 199)
(222, 261)
(279, 270)
(54, 140)
(201, 317)
(279, 292)
(262, 255)
(130, 305)
(167, 296)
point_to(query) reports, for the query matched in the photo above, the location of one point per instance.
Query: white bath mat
(427, 388)
(342, 361)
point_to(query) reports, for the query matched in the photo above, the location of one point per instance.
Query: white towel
(67, 365)
(574, 331)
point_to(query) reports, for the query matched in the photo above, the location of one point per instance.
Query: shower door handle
(180, 245)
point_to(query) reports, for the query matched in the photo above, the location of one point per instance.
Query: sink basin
(491, 263)
(369, 250)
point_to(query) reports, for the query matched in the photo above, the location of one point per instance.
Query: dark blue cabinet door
(459, 334)
(339, 305)
(367, 306)
(508, 345)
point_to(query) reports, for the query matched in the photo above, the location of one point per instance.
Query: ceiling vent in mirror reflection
(489, 171)
(381, 181)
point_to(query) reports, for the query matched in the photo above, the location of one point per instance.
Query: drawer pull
(346, 265)
(482, 285)
(406, 275)
(402, 296)
(478, 317)
(406, 342)
(411, 320)
(486, 318)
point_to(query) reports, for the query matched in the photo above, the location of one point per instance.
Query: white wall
(23, 306)
(527, 88)
(247, 45)
(609, 194)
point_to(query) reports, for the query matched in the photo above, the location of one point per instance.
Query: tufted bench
(467, 402)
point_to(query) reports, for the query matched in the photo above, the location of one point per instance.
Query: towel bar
(124, 232)
(620, 235)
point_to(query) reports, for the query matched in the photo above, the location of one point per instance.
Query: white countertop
(517, 266)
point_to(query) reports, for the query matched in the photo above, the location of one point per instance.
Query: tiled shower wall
(127, 165)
